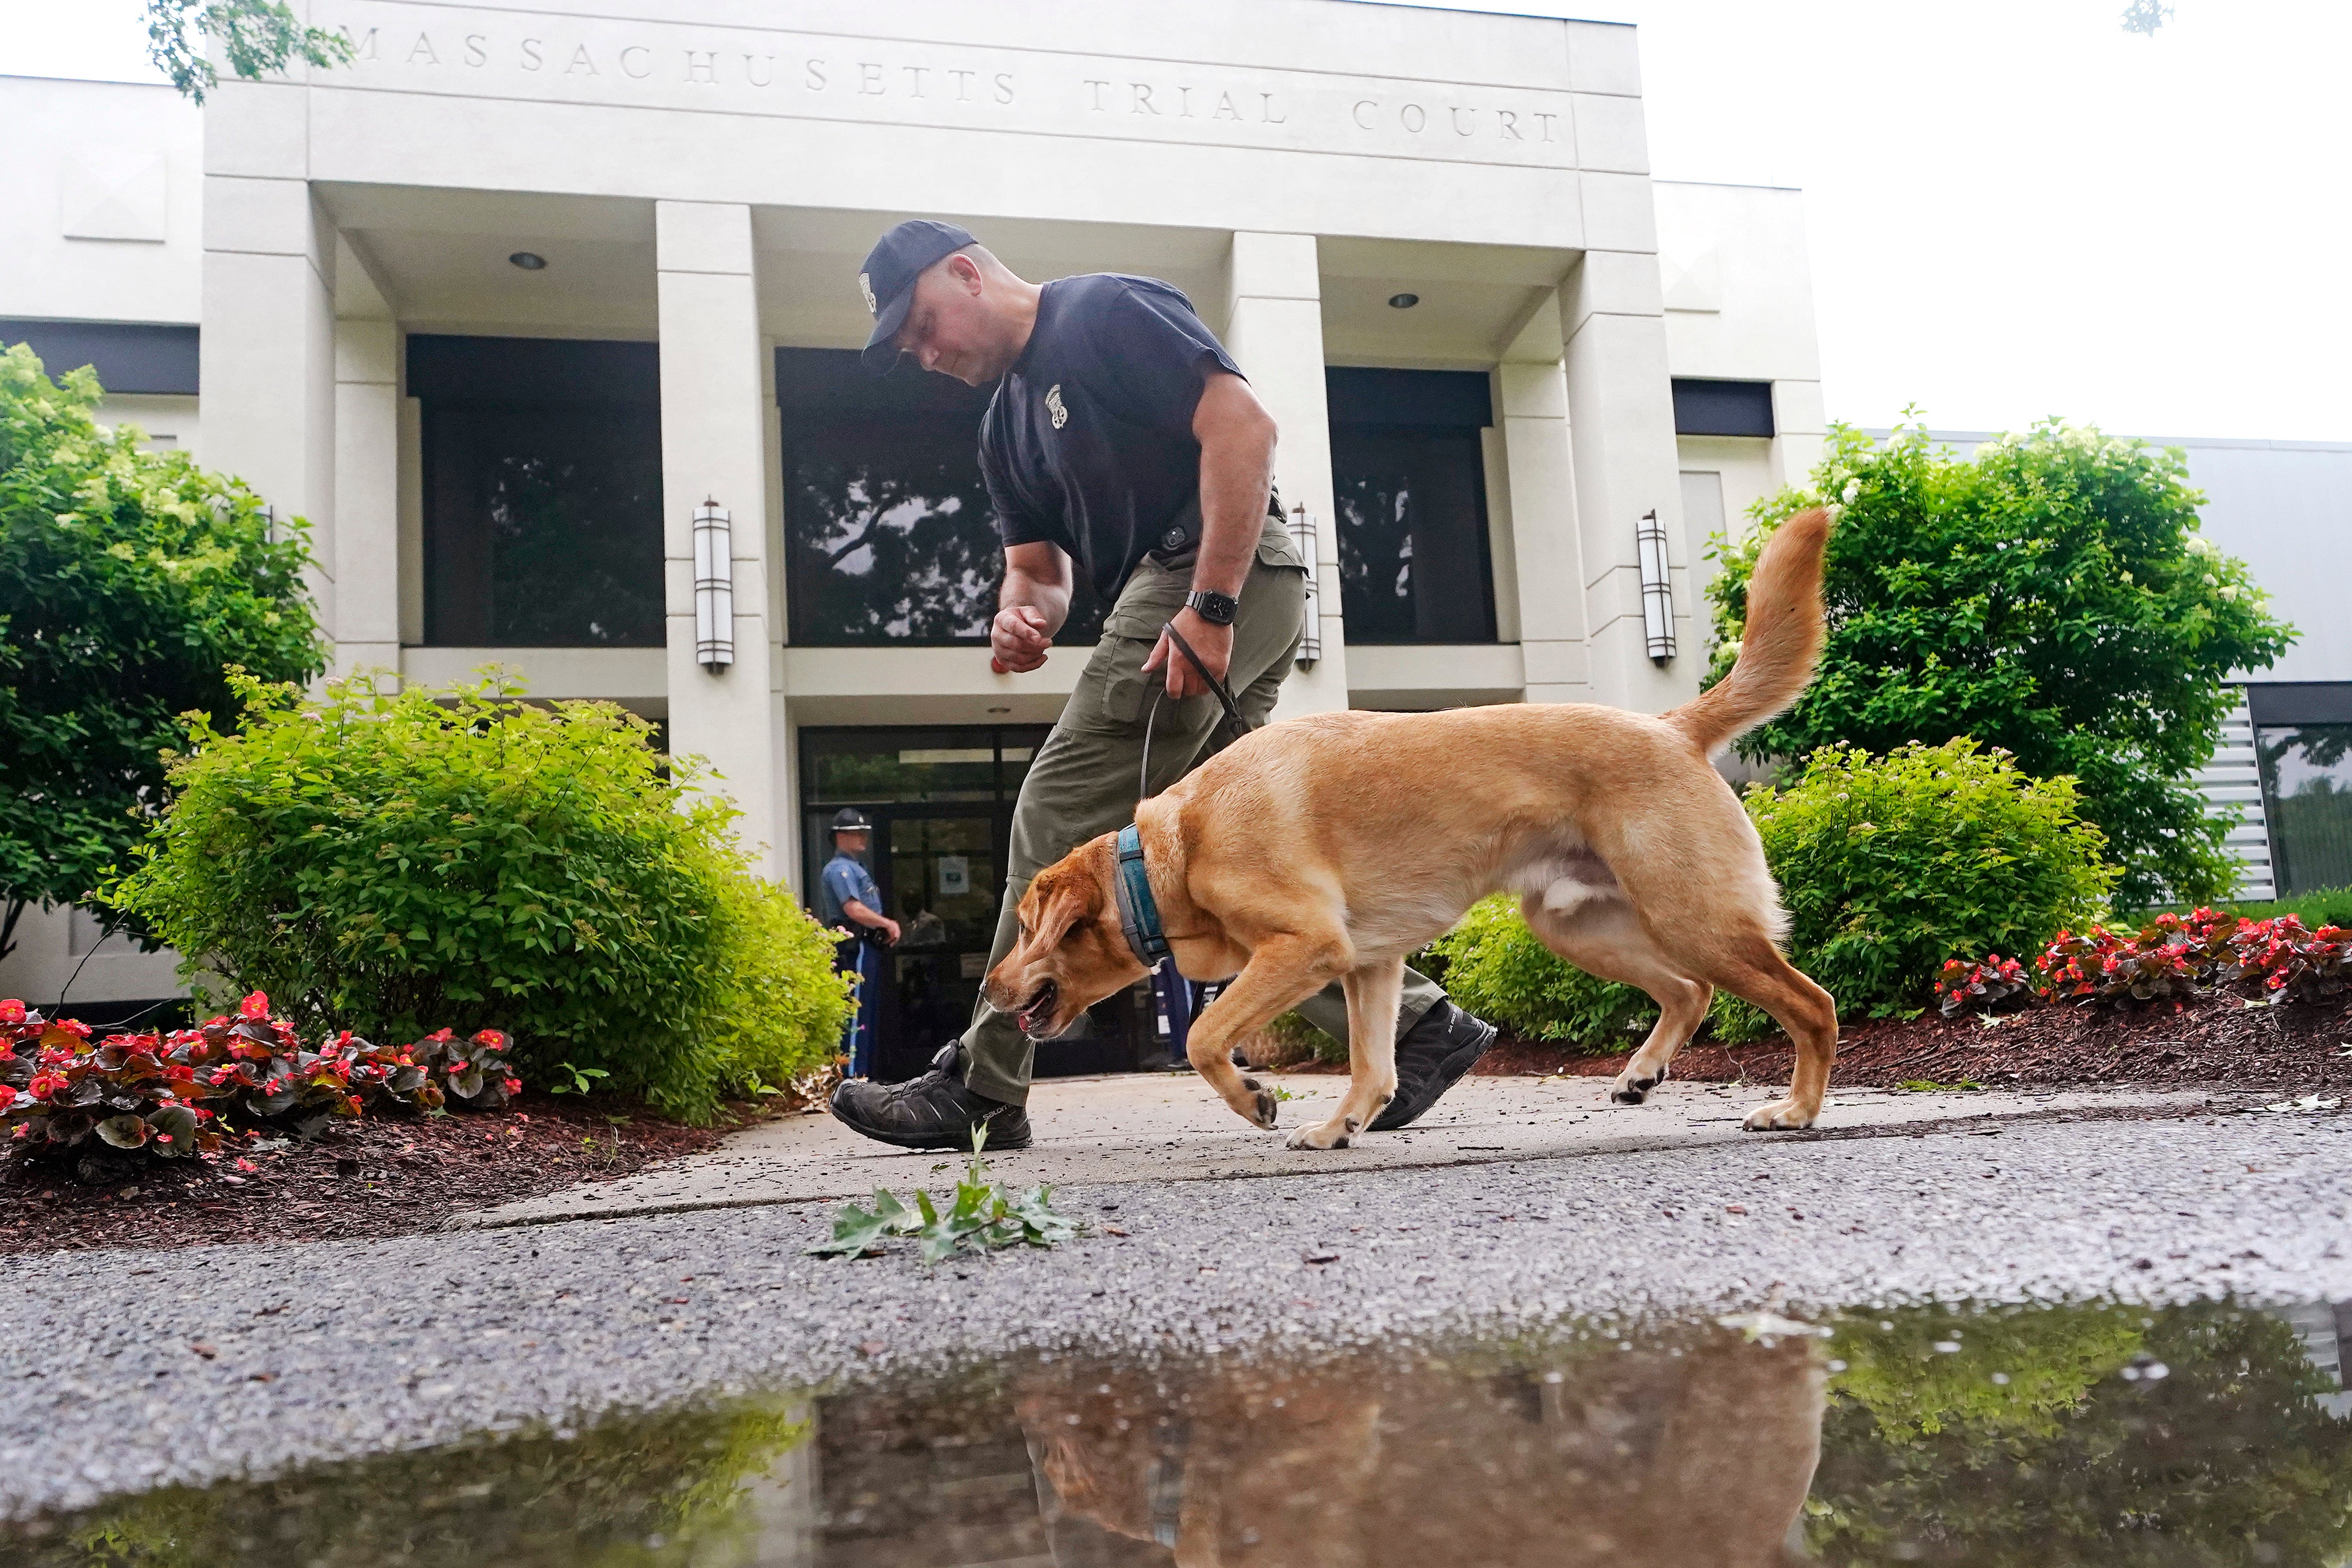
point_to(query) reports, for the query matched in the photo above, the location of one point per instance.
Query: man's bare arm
(1236, 436)
(1031, 606)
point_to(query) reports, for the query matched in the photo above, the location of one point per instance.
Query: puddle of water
(2203, 1434)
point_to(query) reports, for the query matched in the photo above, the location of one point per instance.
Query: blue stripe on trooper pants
(862, 959)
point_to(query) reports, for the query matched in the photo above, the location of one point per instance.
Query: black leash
(1223, 693)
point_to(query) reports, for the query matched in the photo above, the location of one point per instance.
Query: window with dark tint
(2303, 743)
(129, 356)
(1410, 475)
(542, 492)
(888, 536)
(1723, 408)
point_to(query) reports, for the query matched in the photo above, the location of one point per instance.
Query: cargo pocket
(1115, 670)
(1277, 548)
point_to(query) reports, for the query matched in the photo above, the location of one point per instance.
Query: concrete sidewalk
(1169, 1127)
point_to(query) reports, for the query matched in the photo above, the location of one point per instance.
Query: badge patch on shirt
(1054, 405)
(866, 286)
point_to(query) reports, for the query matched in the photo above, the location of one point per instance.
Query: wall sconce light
(714, 587)
(1310, 632)
(1657, 592)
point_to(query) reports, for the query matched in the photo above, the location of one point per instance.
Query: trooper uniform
(1088, 444)
(846, 881)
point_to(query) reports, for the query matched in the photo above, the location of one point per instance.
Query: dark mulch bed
(364, 1178)
(2211, 1040)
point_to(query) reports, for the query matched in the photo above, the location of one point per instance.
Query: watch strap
(1217, 609)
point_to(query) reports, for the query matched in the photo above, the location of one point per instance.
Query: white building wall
(104, 219)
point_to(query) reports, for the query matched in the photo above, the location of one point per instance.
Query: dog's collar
(1138, 912)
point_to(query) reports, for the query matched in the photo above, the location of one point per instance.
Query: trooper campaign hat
(850, 820)
(888, 279)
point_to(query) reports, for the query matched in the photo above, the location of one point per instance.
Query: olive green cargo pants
(1082, 782)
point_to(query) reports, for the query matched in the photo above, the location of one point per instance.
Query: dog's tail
(1783, 640)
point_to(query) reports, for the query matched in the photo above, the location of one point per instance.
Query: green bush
(2052, 596)
(457, 858)
(1888, 866)
(1497, 968)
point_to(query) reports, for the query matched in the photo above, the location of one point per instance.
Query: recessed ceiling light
(531, 261)
(1396, 301)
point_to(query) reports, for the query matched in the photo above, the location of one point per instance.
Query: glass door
(941, 803)
(942, 876)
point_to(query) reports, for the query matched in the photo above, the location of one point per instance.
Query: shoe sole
(1449, 1072)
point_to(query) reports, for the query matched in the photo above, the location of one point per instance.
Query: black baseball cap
(888, 279)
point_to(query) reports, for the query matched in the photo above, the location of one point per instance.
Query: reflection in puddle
(2094, 1434)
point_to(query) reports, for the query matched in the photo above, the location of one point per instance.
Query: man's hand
(1018, 639)
(873, 920)
(1213, 642)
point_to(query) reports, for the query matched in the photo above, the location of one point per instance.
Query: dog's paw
(1633, 1087)
(1264, 1106)
(1330, 1134)
(1781, 1116)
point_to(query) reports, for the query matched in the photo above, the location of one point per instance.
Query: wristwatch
(1216, 609)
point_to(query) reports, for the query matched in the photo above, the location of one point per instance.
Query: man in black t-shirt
(1122, 441)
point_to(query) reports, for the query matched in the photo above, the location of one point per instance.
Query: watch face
(1218, 608)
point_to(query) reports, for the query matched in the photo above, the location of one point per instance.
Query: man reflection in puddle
(1639, 1458)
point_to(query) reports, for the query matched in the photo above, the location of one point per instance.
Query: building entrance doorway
(941, 803)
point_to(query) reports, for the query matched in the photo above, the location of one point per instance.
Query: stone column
(267, 360)
(1622, 433)
(1532, 409)
(713, 447)
(367, 469)
(1275, 328)
(1800, 432)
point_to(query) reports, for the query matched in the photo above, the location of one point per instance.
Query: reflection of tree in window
(1409, 478)
(576, 538)
(892, 536)
(2307, 773)
(1376, 556)
(543, 524)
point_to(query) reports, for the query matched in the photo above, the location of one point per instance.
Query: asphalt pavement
(126, 1369)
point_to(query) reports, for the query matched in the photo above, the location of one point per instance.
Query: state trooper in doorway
(847, 899)
(1122, 441)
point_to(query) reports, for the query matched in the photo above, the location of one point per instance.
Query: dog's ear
(1062, 896)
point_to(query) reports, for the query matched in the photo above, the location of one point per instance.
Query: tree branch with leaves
(257, 36)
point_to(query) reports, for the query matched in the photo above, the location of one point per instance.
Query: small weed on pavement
(983, 1218)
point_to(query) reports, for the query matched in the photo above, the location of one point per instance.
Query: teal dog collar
(1139, 913)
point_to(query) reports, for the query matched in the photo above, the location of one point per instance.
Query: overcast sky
(2016, 208)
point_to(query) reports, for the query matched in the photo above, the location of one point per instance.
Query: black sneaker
(1436, 1052)
(934, 1111)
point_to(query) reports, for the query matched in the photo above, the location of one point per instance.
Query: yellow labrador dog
(1633, 860)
